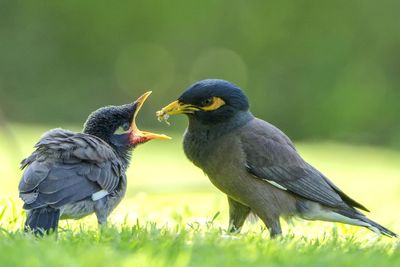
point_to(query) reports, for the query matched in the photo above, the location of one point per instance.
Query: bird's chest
(221, 159)
(197, 148)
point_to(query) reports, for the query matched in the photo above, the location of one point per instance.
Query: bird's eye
(126, 126)
(206, 102)
(123, 128)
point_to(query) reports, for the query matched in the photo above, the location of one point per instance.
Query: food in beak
(175, 108)
(161, 116)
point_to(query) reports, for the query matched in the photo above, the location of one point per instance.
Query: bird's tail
(42, 220)
(377, 228)
(357, 218)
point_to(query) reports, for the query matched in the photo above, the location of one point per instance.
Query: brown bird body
(255, 164)
(265, 199)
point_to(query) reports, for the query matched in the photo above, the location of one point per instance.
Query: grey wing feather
(271, 156)
(300, 181)
(33, 176)
(67, 167)
(344, 196)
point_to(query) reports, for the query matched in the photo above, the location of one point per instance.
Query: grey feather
(300, 181)
(33, 176)
(67, 167)
(271, 155)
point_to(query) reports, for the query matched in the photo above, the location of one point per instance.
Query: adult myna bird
(255, 164)
(71, 175)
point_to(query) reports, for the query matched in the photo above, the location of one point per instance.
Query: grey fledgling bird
(71, 175)
(255, 164)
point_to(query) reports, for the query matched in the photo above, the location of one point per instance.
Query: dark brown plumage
(255, 164)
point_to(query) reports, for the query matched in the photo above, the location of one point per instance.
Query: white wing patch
(269, 181)
(275, 184)
(99, 195)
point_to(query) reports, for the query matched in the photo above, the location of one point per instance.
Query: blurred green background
(325, 72)
(317, 69)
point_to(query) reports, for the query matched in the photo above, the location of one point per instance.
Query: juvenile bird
(255, 164)
(71, 175)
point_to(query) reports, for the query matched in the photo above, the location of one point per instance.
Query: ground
(173, 216)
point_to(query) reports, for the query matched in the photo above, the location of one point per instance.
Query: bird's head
(208, 101)
(116, 125)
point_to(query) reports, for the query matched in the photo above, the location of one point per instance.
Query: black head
(108, 122)
(116, 125)
(209, 101)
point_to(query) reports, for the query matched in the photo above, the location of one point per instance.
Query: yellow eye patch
(215, 104)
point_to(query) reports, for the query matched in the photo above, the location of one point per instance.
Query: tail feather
(357, 218)
(376, 227)
(42, 221)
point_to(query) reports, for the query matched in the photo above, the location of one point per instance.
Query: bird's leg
(275, 229)
(102, 221)
(101, 212)
(237, 215)
(272, 222)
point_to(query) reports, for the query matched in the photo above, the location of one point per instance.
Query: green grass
(152, 245)
(173, 216)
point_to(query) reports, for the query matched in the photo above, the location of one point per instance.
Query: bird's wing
(67, 167)
(271, 156)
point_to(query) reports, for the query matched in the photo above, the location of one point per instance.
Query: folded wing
(271, 157)
(67, 167)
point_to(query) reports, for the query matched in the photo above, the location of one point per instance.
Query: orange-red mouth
(138, 136)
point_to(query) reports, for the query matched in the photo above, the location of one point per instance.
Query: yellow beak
(142, 136)
(175, 108)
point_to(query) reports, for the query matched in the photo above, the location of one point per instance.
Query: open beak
(138, 136)
(175, 108)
